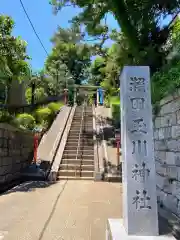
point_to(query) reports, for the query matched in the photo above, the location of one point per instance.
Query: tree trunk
(121, 15)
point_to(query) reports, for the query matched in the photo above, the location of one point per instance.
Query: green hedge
(55, 107)
(42, 114)
(25, 120)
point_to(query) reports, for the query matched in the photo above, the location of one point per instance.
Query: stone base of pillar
(115, 231)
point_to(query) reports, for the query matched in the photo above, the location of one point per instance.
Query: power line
(33, 27)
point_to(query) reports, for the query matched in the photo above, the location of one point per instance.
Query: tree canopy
(69, 51)
(140, 23)
(13, 57)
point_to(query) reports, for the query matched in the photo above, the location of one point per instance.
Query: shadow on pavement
(29, 186)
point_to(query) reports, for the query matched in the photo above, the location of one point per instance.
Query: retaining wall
(15, 153)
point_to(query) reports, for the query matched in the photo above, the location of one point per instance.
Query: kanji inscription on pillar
(139, 147)
(139, 177)
(137, 84)
(140, 172)
(137, 103)
(138, 125)
(141, 200)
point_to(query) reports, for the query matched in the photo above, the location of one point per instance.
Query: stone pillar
(139, 200)
(140, 215)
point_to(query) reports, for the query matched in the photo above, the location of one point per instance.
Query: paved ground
(73, 210)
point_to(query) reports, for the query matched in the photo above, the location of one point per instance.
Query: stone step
(67, 148)
(75, 144)
(78, 161)
(74, 178)
(83, 136)
(82, 144)
(73, 156)
(77, 173)
(74, 133)
(86, 128)
(85, 132)
(84, 151)
(76, 125)
(77, 167)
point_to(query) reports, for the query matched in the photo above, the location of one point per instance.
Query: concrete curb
(49, 142)
(52, 177)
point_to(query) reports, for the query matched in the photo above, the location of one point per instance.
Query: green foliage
(69, 59)
(55, 107)
(13, 64)
(91, 98)
(5, 116)
(115, 108)
(140, 23)
(46, 115)
(39, 94)
(43, 114)
(28, 95)
(165, 82)
(79, 99)
(26, 121)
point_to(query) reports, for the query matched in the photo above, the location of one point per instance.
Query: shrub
(25, 120)
(43, 114)
(55, 107)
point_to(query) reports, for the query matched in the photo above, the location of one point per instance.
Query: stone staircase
(81, 165)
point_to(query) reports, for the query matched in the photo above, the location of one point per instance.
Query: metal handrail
(79, 138)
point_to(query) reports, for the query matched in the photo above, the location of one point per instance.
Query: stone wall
(15, 153)
(167, 153)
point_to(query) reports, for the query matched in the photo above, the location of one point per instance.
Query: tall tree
(13, 64)
(140, 23)
(68, 50)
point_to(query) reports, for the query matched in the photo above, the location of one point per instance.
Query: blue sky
(44, 22)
